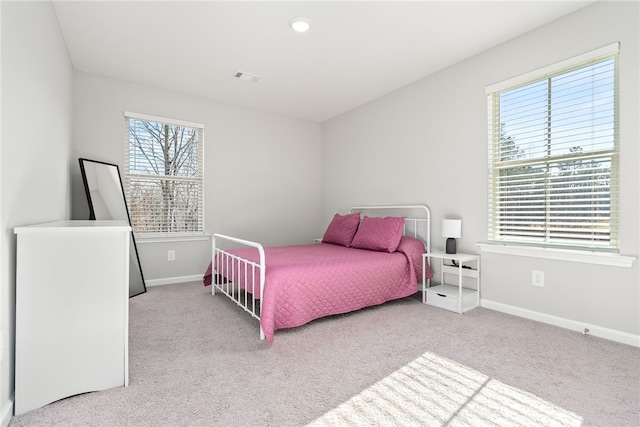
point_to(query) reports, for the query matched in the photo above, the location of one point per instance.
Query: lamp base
(451, 246)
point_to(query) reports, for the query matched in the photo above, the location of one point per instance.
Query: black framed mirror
(107, 201)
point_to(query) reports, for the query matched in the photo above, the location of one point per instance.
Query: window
(553, 155)
(164, 175)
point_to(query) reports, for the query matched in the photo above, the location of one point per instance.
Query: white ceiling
(354, 52)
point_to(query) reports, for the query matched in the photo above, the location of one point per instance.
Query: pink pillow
(379, 234)
(342, 229)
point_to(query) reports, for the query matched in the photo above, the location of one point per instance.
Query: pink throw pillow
(342, 229)
(379, 234)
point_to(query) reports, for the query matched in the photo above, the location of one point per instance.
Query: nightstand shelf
(458, 297)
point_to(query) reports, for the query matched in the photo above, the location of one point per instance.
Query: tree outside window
(164, 177)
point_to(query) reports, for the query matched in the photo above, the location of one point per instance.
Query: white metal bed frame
(226, 267)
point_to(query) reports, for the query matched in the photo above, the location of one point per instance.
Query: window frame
(497, 241)
(152, 237)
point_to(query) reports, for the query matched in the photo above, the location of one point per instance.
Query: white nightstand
(454, 297)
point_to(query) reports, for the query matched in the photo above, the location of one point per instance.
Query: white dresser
(72, 310)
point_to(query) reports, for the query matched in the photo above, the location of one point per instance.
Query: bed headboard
(417, 219)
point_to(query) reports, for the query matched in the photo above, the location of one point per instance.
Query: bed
(366, 257)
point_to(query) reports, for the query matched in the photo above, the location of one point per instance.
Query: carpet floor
(196, 360)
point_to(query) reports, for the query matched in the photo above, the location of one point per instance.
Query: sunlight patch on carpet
(432, 390)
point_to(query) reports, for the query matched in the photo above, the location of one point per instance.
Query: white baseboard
(596, 331)
(173, 280)
(7, 413)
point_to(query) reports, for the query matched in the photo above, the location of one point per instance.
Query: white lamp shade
(451, 228)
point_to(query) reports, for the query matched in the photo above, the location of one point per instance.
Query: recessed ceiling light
(300, 24)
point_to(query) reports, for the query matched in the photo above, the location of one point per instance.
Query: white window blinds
(553, 156)
(164, 175)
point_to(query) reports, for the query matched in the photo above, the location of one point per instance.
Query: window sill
(141, 240)
(613, 260)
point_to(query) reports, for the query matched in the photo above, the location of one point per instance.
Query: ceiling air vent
(246, 77)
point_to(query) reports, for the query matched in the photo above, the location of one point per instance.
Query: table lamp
(451, 229)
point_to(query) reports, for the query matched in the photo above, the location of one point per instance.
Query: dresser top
(70, 225)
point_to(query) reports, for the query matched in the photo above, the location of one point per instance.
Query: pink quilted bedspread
(307, 282)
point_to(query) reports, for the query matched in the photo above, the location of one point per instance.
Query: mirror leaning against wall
(107, 201)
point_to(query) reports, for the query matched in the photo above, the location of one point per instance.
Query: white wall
(428, 143)
(36, 135)
(262, 171)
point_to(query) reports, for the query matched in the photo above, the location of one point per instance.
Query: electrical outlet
(537, 278)
(171, 255)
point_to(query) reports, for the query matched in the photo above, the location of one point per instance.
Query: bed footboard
(231, 274)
